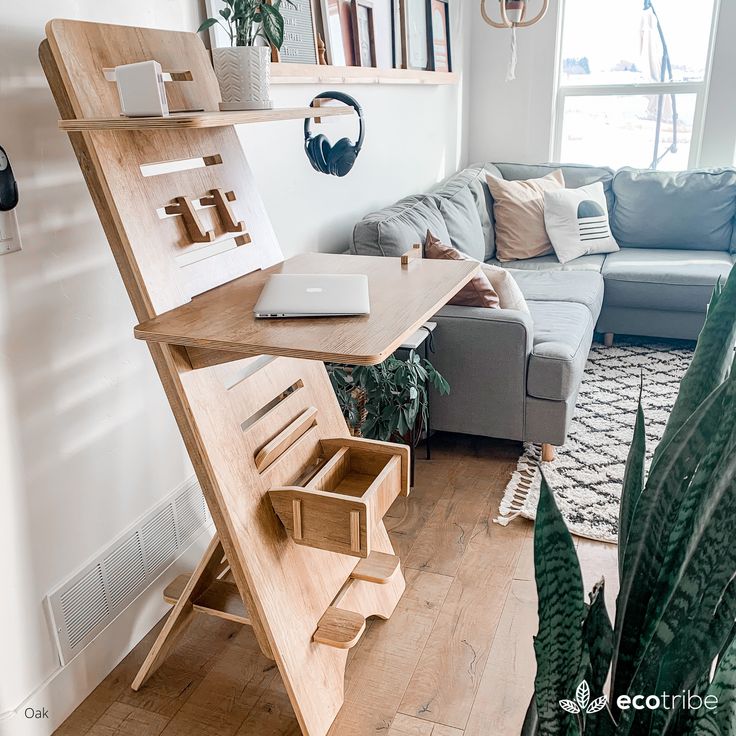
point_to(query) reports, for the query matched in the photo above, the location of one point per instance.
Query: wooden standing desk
(301, 553)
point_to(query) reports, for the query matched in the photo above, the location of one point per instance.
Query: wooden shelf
(325, 74)
(402, 300)
(210, 119)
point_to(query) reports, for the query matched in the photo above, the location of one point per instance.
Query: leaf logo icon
(582, 702)
(582, 695)
(597, 704)
(569, 706)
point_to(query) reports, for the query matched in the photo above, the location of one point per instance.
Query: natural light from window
(632, 82)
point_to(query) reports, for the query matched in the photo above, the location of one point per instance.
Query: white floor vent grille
(88, 601)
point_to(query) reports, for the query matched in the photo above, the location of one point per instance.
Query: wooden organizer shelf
(255, 416)
(206, 119)
(342, 504)
(326, 74)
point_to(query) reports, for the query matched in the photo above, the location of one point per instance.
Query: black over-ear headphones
(338, 159)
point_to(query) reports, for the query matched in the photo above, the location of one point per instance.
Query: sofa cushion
(577, 287)
(575, 175)
(518, 209)
(691, 210)
(474, 178)
(655, 278)
(463, 222)
(395, 229)
(563, 333)
(550, 263)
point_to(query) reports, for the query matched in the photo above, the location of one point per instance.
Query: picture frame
(397, 35)
(300, 34)
(364, 33)
(218, 35)
(414, 31)
(337, 31)
(439, 36)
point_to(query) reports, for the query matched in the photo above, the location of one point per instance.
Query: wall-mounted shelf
(208, 119)
(323, 74)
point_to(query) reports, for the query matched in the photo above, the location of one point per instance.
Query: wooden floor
(455, 658)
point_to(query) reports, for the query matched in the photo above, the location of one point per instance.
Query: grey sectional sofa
(515, 375)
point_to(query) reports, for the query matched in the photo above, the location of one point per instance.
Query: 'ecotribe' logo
(582, 703)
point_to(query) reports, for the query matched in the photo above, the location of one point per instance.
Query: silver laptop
(313, 295)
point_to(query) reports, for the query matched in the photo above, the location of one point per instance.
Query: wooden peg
(321, 50)
(220, 200)
(410, 255)
(197, 234)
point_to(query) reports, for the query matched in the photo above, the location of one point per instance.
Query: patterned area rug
(587, 474)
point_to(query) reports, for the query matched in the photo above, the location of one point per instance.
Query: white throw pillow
(577, 222)
(504, 284)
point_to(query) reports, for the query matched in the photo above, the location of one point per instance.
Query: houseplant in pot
(244, 68)
(388, 401)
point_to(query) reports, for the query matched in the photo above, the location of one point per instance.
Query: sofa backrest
(648, 209)
(691, 210)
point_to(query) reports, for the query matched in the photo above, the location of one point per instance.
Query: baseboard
(66, 688)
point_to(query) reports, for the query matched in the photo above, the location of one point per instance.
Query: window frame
(700, 88)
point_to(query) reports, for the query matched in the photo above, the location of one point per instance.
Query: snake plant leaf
(559, 641)
(693, 619)
(598, 637)
(651, 523)
(530, 727)
(710, 362)
(722, 720)
(633, 482)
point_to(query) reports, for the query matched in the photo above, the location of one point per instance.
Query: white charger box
(141, 89)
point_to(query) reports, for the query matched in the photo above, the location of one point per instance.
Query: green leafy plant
(394, 395)
(675, 626)
(247, 20)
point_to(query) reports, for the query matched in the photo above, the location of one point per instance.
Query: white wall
(414, 138)
(87, 443)
(512, 121)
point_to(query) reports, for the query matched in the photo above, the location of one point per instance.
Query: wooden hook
(197, 234)
(220, 200)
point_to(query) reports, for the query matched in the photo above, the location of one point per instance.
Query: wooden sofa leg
(608, 339)
(548, 453)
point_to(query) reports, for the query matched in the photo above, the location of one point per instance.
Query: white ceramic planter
(244, 75)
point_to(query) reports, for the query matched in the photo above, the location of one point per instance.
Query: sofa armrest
(511, 322)
(483, 354)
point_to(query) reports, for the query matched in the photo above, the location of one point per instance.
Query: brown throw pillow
(518, 208)
(478, 292)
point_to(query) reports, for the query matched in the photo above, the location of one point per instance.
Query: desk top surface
(402, 299)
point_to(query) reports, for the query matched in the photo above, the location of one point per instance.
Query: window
(632, 82)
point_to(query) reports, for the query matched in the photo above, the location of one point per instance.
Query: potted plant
(388, 401)
(244, 69)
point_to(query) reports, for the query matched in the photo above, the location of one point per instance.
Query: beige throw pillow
(504, 284)
(518, 208)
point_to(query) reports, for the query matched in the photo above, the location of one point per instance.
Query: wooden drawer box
(339, 507)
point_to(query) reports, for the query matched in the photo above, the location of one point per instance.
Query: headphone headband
(347, 100)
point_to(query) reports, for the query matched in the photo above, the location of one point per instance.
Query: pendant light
(513, 16)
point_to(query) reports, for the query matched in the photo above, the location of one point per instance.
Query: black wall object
(324, 157)
(8, 185)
